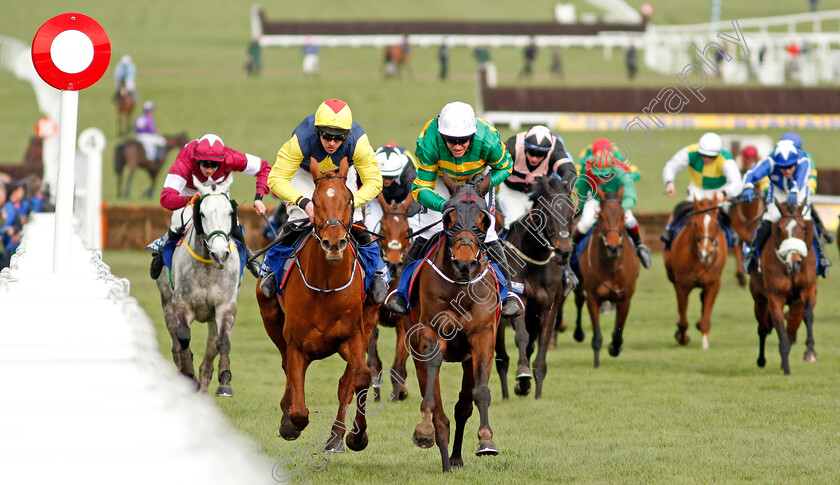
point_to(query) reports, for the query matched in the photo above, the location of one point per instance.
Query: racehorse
(608, 271)
(125, 107)
(788, 276)
(456, 309)
(132, 154)
(396, 59)
(745, 218)
(320, 313)
(394, 243)
(538, 245)
(203, 285)
(696, 259)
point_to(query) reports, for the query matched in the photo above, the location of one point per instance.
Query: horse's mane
(555, 184)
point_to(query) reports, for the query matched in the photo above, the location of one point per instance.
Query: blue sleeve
(802, 174)
(758, 171)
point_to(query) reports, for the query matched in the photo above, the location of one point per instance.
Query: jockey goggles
(209, 164)
(334, 136)
(457, 140)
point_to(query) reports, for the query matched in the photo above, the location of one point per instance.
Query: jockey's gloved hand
(748, 195)
(792, 198)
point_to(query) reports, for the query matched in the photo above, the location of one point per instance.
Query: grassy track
(658, 413)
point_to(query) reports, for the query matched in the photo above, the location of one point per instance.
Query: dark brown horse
(608, 272)
(696, 259)
(456, 306)
(537, 246)
(125, 107)
(394, 243)
(788, 276)
(321, 313)
(745, 218)
(131, 154)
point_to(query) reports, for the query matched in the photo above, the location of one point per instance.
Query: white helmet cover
(457, 119)
(391, 160)
(710, 144)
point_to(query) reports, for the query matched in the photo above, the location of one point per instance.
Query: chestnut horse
(745, 217)
(125, 107)
(537, 246)
(608, 271)
(321, 313)
(788, 276)
(394, 242)
(396, 59)
(696, 259)
(456, 306)
(131, 153)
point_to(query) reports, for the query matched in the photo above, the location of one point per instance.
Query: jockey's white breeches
(590, 212)
(151, 143)
(514, 204)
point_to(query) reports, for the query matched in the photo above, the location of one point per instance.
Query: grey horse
(203, 285)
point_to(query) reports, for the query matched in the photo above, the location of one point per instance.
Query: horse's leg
(775, 304)
(682, 307)
(579, 334)
(739, 265)
(398, 380)
(335, 443)
(708, 295)
(225, 323)
(502, 365)
(129, 178)
(808, 316)
(593, 304)
(762, 316)
(182, 332)
(297, 417)
(374, 363)
(523, 368)
(547, 320)
(481, 346)
(427, 370)
(211, 350)
(463, 411)
(622, 310)
(353, 351)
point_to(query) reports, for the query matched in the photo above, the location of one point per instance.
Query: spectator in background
(443, 55)
(529, 54)
(761, 54)
(310, 57)
(814, 5)
(482, 55)
(254, 63)
(630, 60)
(557, 62)
(16, 211)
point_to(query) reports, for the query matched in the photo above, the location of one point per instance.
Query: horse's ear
(482, 219)
(484, 186)
(225, 186)
(405, 205)
(450, 184)
(343, 167)
(314, 169)
(599, 192)
(197, 217)
(620, 193)
(449, 218)
(202, 189)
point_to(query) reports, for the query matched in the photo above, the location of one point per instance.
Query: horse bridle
(333, 221)
(217, 232)
(390, 246)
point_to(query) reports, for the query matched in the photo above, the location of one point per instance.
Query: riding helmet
(457, 119)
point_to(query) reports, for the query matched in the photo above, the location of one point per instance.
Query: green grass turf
(659, 413)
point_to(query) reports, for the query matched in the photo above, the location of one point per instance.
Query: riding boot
(570, 280)
(511, 307)
(761, 236)
(289, 235)
(252, 264)
(398, 303)
(157, 257)
(822, 261)
(668, 234)
(379, 285)
(641, 250)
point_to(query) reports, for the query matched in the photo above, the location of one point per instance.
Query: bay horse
(321, 313)
(455, 307)
(745, 218)
(203, 285)
(394, 242)
(396, 59)
(131, 154)
(696, 259)
(537, 246)
(787, 276)
(125, 107)
(609, 269)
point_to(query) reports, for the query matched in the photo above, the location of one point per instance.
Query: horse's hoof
(613, 351)
(424, 438)
(523, 371)
(561, 327)
(357, 442)
(522, 387)
(810, 356)
(288, 432)
(334, 446)
(225, 391)
(579, 335)
(456, 462)
(682, 337)
(697, 325)
(761, 362)
(742, 280)
(486, 448)
(402, 395)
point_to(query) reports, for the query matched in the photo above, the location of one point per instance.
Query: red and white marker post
(70, 52)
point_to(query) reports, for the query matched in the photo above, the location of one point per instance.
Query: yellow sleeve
(368, 169)
(285, 167)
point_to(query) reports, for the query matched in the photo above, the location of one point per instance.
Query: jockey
(588, 153)
(147, 134)
(789, 171)
(535, 153)
(602, 170)
(812, 183)
(711, 170)
(398, 173)
(207, 159)
(462, 146)
(328, 135)
(126, 72)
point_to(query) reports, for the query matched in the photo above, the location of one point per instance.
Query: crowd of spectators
(18, 200)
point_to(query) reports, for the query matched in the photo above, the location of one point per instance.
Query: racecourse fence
(87, 395)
